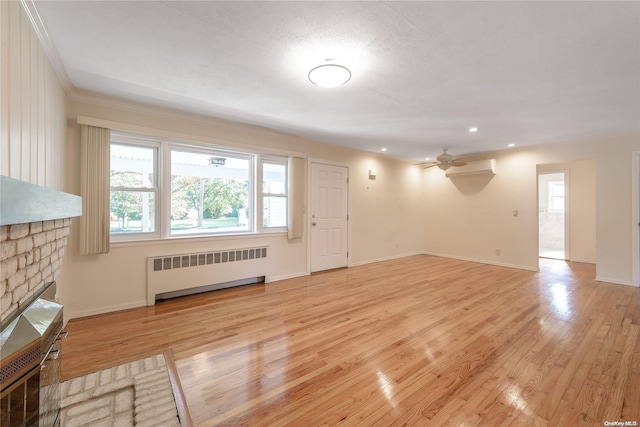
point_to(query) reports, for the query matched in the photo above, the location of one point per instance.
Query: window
(134, 189)
(556, 196)
(210, 191)
(199, 190)
(274, 193)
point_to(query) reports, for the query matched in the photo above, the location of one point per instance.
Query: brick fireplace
(31, 256)
(34, 228)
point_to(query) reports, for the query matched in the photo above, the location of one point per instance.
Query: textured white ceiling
(422, 72)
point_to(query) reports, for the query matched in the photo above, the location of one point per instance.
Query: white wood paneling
(4, 87)
(34, 70)
(15, 90)
(32, 113)
(25, 97)
(42, 130)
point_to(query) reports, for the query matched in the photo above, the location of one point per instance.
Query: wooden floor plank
(420, 340)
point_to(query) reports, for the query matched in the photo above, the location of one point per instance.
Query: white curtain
(295, 225)
(95, 145)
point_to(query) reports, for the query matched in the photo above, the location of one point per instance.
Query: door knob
(313, 223)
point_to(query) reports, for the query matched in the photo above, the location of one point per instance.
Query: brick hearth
(137, 393)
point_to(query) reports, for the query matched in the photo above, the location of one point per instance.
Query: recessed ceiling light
(511, 145)
(329, 75)
(473, 129)
(383, 149)
(428, 158)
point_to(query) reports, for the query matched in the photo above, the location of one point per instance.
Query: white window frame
(213, 151)
(550, 189)
(134, 141)
(274, 160)
(162, 190)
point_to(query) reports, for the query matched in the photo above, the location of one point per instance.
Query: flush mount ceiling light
(329, 75)
(473, 129)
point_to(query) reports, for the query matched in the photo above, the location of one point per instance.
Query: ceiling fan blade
(428, 165)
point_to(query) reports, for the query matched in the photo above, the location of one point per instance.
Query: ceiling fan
(444, 161)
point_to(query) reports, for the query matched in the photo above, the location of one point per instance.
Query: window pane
(557, 190)
(274, 211)
(557, 203)
(273, 178)
(132, 166)
(556, 195)
(132, 212)
(209, 193)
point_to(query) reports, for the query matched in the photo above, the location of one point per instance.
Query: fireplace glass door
(19, 403)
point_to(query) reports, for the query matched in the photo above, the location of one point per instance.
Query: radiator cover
(181, 272)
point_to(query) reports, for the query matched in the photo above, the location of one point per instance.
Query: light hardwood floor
(416, 341)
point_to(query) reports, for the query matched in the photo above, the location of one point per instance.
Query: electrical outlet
(498, 252)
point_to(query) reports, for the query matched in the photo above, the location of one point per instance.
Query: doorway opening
(636, 218)
(552, 215)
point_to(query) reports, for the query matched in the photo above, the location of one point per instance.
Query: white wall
(32, 109)
(472, 217)
(614, 209)
(386, 212)
(385, 215)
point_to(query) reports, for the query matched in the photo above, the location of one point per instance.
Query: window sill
(184, 239)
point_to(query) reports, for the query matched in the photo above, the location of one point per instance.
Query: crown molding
(49, 48)
(167, 113)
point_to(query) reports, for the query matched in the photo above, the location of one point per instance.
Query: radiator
(182, 274)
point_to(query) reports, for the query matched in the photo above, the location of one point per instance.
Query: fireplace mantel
(22, 202)
(34, 225)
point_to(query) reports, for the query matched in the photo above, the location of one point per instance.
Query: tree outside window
(133, 189)
(209, 192)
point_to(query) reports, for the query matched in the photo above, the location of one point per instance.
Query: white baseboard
(484, 261)
(119, 307)
(388, 258)
(287, 276)
(109, 309)
(586, 261)
(615, 281)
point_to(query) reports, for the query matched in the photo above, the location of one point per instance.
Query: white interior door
(329, 221)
